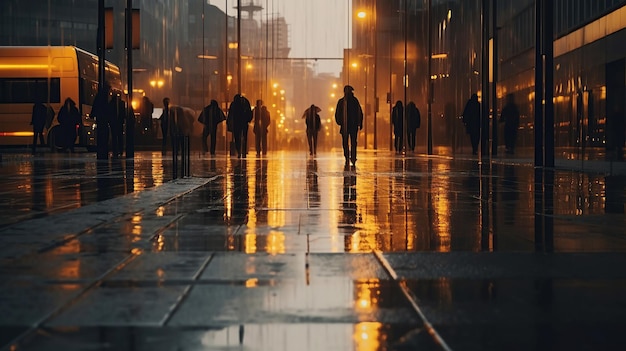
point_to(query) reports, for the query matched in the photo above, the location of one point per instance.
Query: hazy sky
(319, 28)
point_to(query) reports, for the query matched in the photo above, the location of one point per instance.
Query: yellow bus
(54, 73)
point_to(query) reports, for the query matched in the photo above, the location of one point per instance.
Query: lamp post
(375, 73)
(366, 70)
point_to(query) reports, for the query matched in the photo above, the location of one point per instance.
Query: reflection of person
(147, 108)
(260, 193)
(261, 123)
(69, 121)
(313, 126)
(240, 115)
(397, 118)
(349, 116)
(413, 121)
(349, 196)
(210, 117)
(101, 110)
(510, 117)
(471, 120)
(38, 121)
(165, 121)
(312, 183)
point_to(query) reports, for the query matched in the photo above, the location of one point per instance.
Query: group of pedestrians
(109, 110)
(413, 122)
(510, 116)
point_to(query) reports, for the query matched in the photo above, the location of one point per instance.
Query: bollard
(181, 143)
(188, 142)
(175, 157)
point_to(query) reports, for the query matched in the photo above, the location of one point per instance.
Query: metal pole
(404, 77)
(538, 86)
(484, 128)
(548, 50)
(375, 74)
(130, 114)
(494, 67)
(430, 81)
(101, 144)
(100, 44)
(390, 92)
(239, 46)
(367, 62)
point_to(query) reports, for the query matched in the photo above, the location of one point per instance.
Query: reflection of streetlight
(207, 57)
(157, 83)
(366, 15)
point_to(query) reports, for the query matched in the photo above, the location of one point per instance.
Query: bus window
(26, 90)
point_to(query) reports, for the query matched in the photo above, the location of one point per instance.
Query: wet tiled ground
(289, 252)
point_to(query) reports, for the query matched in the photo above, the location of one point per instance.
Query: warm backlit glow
(24, 66)
(361, 14)
(16, 134)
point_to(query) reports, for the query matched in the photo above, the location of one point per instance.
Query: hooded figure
(413, 121)
(210, 117)
(261, 124)
(69, 121)
(471, 120)
(313, 126)
(349, 116)
(397, 118)
(239, 115)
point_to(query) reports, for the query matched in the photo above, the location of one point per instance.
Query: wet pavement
(288, 252)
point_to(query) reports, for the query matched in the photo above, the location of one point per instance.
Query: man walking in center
(349, 117)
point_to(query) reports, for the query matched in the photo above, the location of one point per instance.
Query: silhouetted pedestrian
(210, 117)
(38, 121)
(510, 117)
(313, 126)
(471, 120)
(261, 125)
(349, 116)
(69, 121)
(164, 119)
(240, 114)
(413, 121)
(116, 121)
(101, 111)
(397, 118)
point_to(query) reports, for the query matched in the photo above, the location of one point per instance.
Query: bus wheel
(54, 139)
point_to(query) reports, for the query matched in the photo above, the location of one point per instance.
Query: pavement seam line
(113, 218)
(412, 300)
(187, 291)
(94, 284)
